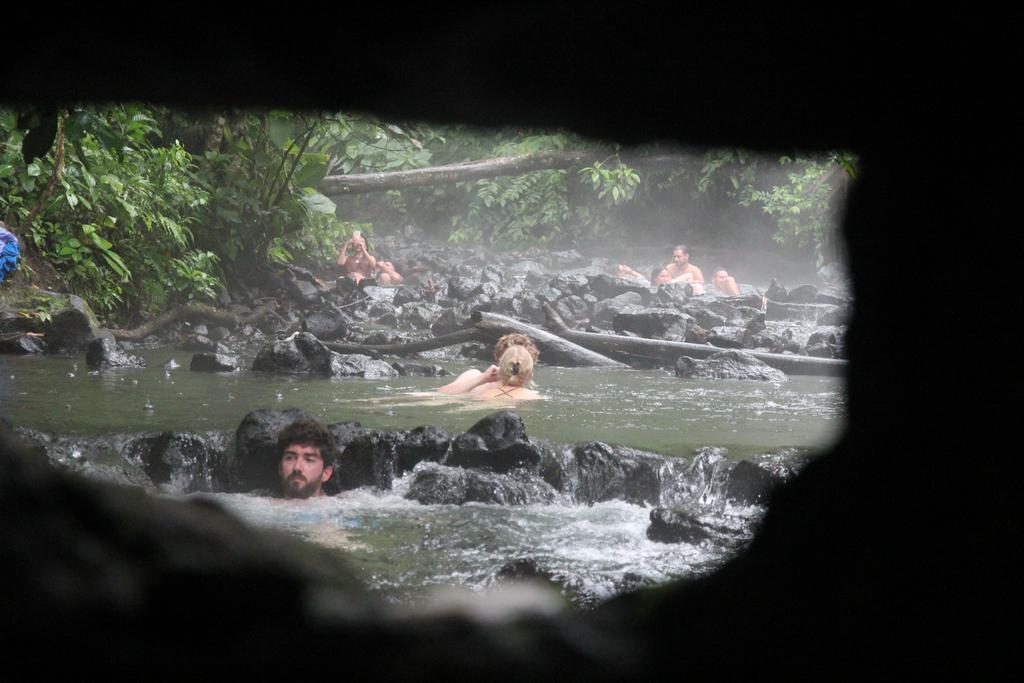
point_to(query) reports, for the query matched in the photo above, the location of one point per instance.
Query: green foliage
(543, 207)
(120, 206)
(40, 307)
(516, 210)
(619, 183)
(263, 174)
(804, 206)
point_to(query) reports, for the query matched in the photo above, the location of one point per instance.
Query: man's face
(719, 278)
(680, 257)
(302, 471)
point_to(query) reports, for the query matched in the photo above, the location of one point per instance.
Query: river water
(402, 548)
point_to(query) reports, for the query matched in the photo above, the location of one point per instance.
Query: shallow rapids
(403, 550)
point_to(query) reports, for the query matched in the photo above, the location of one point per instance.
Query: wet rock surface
(728, 365)
(607, 472)
(497, 443)
(103, 354)
(302, 352)
(684, 526)
(409, 369)
(182, 462)
(23, 344)
(749, 484)
(435, 484)
(213, 362)
(202, 344)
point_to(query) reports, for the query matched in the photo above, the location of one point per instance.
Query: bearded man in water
(306, 449)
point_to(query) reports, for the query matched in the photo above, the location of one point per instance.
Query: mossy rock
(66, 320)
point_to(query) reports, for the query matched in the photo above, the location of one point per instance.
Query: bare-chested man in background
(681, 270)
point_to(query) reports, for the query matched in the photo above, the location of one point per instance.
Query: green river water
(404, 550)
(649, 409)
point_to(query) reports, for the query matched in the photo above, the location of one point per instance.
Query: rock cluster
(446, 283)
(494, 462)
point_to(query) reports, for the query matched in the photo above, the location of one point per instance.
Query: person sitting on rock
(471, 379)
(359, 263)
(515, 372)
(724, 283)
(306, 447)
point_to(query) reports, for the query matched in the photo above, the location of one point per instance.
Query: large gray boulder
(496, 443)
(375, 458)
(651, 323)
(104, 354)
(304, 353)
(729, 365)
(66, 322)
(181, 462)
(435, 484)
(606, 286)
(686, 526)
(213, 362)
(607, 472)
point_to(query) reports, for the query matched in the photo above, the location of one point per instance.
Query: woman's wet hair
(515, 367)
(307, 433)
(515, 339)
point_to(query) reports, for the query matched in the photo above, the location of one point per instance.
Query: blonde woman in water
(515, 372)
(471, 379)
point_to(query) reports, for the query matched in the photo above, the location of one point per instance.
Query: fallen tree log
(452, 173)
(194, 311)
(628, 348)
(336, 185)
(378, 350)
(555, 350)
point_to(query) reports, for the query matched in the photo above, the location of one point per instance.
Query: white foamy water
(404, 550)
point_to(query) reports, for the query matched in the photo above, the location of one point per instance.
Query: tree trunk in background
(669, 352)
(554, 349)
(378, 350)
(475, 170)
(452, 173)
(193, 311)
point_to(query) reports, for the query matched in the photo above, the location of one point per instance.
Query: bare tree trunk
(377, 350)
(193, 312)
(554, 349)
(453, 173)
(631, 349)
